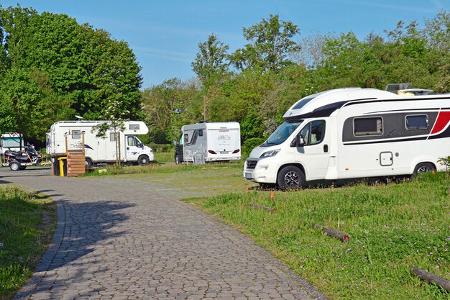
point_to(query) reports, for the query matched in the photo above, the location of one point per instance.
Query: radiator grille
(251, 164)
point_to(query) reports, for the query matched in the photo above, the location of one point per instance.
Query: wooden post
(431, 278)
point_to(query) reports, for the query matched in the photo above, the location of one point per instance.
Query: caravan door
(314, 155)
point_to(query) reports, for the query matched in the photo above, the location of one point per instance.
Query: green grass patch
(27, 222)
(392, 228)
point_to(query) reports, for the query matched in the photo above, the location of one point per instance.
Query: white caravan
(100, 149)
(353, 133)
(11, 141)
(208, 142)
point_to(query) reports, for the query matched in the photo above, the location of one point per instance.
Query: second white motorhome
(208, 142)
(100, 149)
(353, 133)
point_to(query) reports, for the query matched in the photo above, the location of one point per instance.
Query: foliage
(249, 144)
(391, 227)
(210, 61)
(266, 83)
(271, 44)
(49, 60)
(24, 236)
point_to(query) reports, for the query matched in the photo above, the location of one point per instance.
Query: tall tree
(271, 44)
(82, 65)
(210, 60)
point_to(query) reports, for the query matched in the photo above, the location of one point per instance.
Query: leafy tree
(85, 69)
(210, 60)
(271, 45)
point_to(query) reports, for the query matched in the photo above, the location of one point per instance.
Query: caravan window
(200, 132)
(76, 134)
(113, 136)
(186, 138)
(131, 141)
(368, 126)
(313, 133)
(416, 122)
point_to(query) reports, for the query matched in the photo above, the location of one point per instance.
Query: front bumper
(262, 172)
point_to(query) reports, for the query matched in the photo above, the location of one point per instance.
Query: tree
(210, 60)
(84, 68)
(271, 45)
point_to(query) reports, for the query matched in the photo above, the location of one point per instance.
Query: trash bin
(62, 162)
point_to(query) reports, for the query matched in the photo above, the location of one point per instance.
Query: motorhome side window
(416, 122)
(200, 132)
(313, 133)
(186, 138)
(76, 134)
(368, 126)
(113, 136)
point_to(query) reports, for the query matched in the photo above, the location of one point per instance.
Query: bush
(249, 144)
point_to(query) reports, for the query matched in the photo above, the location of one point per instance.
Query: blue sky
(164, 34)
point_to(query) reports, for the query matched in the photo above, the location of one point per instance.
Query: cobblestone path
(125, 239)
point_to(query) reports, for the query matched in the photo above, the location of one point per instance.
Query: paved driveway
(122, 238)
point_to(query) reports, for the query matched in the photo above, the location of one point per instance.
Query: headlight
(269, 153)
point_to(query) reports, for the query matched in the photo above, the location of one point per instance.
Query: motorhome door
(314, 154)
(133, 148)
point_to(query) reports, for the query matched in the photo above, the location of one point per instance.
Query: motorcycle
(19, 160)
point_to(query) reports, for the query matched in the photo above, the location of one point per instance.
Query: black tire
(178, 160)
(14, 166)
(424, 167)
(143, 160)
(88, 163)
(290, 177)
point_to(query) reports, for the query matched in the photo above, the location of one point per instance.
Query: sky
(164, 35)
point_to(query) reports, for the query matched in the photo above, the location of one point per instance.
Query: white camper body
(100, 149)
(11, 141)
(210, 142)
(354, 133)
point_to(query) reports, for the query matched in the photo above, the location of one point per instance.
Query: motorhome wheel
(290, 177)
(88, 163)
(143, 160)
(423, 168)
(14, 166)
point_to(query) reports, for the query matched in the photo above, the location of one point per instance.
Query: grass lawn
(392, 228)
(27, 223)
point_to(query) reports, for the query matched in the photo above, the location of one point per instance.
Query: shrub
(249, 144)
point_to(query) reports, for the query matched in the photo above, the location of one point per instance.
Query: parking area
(125, 238)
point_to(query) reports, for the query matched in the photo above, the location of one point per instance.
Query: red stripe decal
(442, 119)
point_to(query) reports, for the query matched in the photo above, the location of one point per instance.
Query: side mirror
(298, 141)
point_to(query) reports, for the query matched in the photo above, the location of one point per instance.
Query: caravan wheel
(423, 168)
(290, 177)
(143, 160)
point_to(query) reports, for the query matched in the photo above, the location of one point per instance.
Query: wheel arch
(298, 165)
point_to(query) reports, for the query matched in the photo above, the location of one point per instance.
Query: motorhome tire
(290, 177)
(423, 168)
(143, 160)
(88, 163)
(14, 166)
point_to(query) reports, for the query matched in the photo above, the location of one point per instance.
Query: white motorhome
(100, 149)
(208, 142)
(11, 141)
(353, 133)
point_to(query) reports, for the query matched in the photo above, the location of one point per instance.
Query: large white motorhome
(353, 133)
(208, 142)
(11, 141)
(101, 149)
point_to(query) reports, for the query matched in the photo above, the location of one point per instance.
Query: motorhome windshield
(281, 134)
